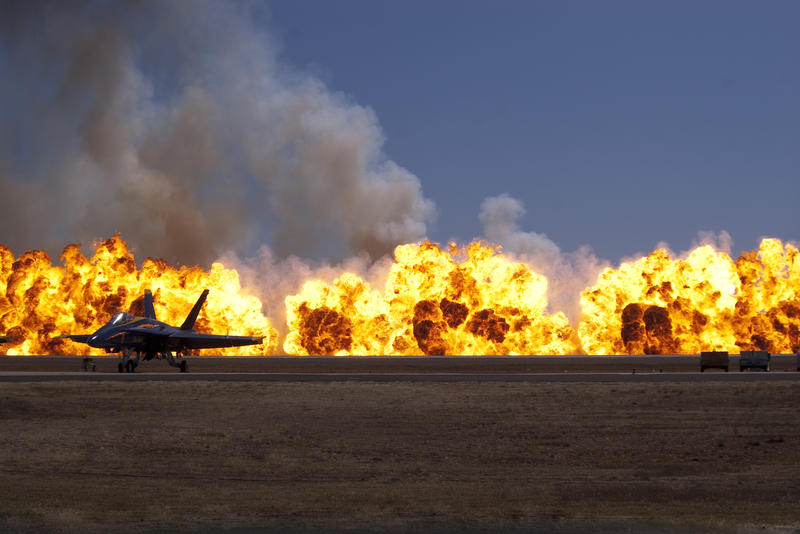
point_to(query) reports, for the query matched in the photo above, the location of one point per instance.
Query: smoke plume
(272, 279)
(176, 124)
(567, 273)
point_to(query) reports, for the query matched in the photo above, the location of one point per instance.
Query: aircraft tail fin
(149, 310)
(188, 324)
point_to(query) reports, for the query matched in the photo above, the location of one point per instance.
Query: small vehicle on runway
(714, 359)
(146, 337)
(754, 359)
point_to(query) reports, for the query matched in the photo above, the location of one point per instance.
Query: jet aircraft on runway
(145, 337)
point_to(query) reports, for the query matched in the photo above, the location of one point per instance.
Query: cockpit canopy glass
(121, 318)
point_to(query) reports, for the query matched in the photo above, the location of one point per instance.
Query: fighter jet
(146, 337)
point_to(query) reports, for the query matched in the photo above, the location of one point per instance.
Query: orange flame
(658, 305)
(462, 300)
(39, 301)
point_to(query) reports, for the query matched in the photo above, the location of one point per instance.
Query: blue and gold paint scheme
(146, 337)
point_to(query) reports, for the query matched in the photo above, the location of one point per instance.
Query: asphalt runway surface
(672, 368)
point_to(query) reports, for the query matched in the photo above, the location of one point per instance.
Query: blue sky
(328, 129)
(617, 124)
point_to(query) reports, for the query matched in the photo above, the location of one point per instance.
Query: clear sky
(618, 124)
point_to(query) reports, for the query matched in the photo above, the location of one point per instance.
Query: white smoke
(176, 124)
(272, 279)
(721, 241)
(567, 273)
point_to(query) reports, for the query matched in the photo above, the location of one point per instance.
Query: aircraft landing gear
(129, 362)
(182, 365)
(126, 367)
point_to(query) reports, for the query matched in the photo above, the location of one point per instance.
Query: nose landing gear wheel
(183, 366)
(130, 366)
(120, 367)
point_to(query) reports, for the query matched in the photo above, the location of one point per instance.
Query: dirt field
(398, 457)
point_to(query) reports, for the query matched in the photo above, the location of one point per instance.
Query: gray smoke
(567, 273)
(176, 124)
(272, 279)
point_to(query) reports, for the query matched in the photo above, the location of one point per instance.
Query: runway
(661, 368)
(399, 377)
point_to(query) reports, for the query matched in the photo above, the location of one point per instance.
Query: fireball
(661, 305)
(459, 301)
(40, 301)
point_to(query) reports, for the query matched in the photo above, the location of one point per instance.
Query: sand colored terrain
(274, 457)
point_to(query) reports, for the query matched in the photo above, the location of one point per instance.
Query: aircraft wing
(194, 340)
(154, 332)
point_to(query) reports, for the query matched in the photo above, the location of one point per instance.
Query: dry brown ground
(567, 457)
